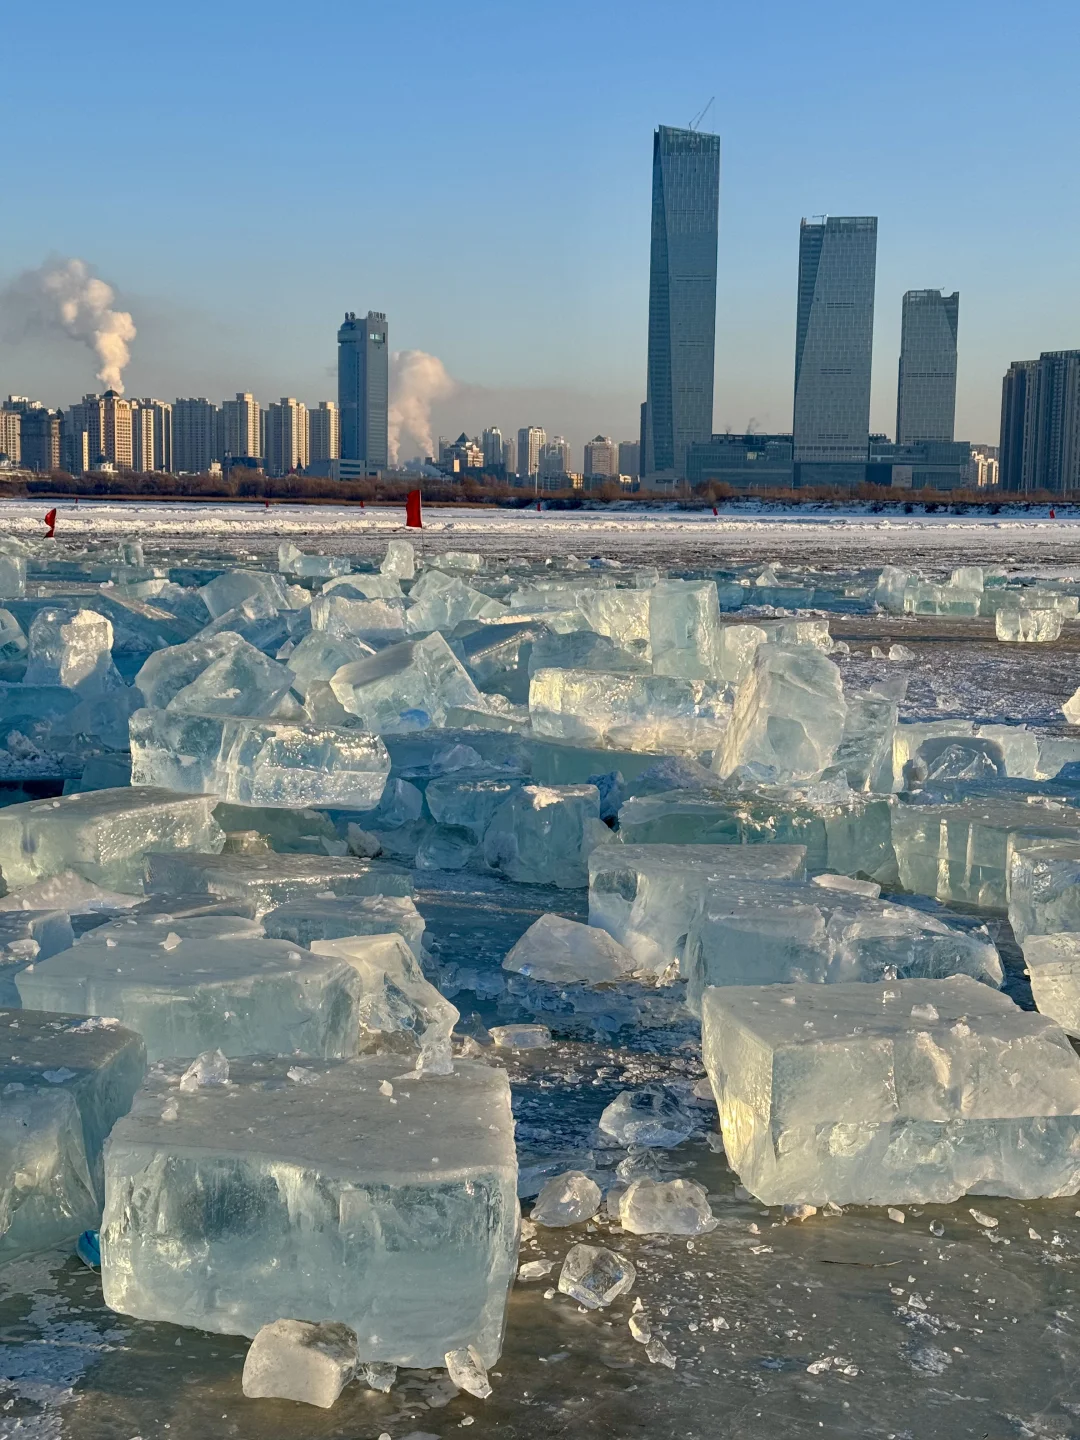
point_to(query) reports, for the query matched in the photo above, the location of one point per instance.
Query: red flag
(538, 507)
(361, 505)
(1052, 515)
(50, 521)
(266, 503)
(412, 510)
(715, 511)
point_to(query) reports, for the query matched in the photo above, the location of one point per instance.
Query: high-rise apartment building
(105, 422)
(11, 435)
(286, 436)
(554, 465)
(364, 390)
(530, 441)
(834, 339)
(509, 456)
(926, 388)
(324, 433)
(1040, 424)
(601, 458)
(240, 434)
(40, 434)
(151, 435)
(630, 458)
(682, 297)
(195, 435)
(491, 442)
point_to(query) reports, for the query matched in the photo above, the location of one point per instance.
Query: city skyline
(556, 312)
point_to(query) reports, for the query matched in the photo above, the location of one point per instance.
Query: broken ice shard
(651, 1117)
(103, 835)
(295, 1360)
(399, 1220)
(1053, 966)
(651, 713)
(258, 762)
(218, 675)
(374, 622)
(63, 1083)
(911, 1091)
(789, 714)
(672, 1207)
(564, 952)
(399, 560)
(568, 1199)
(646, 896)
(684, 624)
(595, 1276)
(72, 648)
(230, 589)
(267, 881)
(406, 687)
(544, 835)
(1028, 626)
(1043, 885)
(756, 934)
(304, 921)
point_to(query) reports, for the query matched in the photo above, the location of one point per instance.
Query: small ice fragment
(1033, 1234)
(818, 1367)
(563, 951)
(831, 1209)
(209, 1068)
(594, 1277)
(57, 1077)
(528, 1231)
(568, 1199)
(385, 1088)
(675, 1207)
(650, 1116)
(876, 653)
(924, 1012)
(640, 1329)
(467, 1372)
(659, 1354)
(171, 1111)
(171, 941)
(937, 1229)
(847, 883)
(378, 1375)
(899, 653)
(300, 1075)
(535, 1269)
(799, 1212)
(293, 1360)
(897, 1215)
(981, 1218)
(521, 1037)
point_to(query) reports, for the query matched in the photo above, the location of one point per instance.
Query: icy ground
(852, 1326)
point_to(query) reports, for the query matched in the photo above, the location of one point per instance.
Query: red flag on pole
(412, 511)
(50, 521)
(715, 511)
(538, 507)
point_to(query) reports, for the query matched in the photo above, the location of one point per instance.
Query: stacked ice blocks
(346, 1193)
(911, 1091)
(63, 1084)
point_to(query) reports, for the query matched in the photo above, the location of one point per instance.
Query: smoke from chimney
(63, 295)
(417, 381)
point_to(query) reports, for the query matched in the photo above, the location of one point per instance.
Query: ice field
(602, 972)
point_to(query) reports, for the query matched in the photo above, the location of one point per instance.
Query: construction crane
(700, 116)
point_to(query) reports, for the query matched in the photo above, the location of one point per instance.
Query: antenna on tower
(700, 116)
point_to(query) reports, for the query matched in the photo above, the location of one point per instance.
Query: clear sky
(243, 173)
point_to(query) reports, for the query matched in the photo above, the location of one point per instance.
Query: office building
(10, 436)
(240, 428)
(926, 387)
(151, 435)
(834, 337)
(1040, 424)
(985, 470)
(324, 433)
(630, 458)
(40, 434)
(286, 436)
(458, 457)
(509, 456)
(195, 435)
(682, 297)
(364, 391)
(554, 464)
(921, 464)
(601, 458)
(493, 446)
(742, 461)
(530, 441)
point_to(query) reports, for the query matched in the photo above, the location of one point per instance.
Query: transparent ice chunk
(595, 1276)
(468, 1372)
(375, 622)
(911, 1091)
(267, 881)
(399, 1220)
(568, 1199)
(651, 1117)
(650, 713)
(230, 589)
(293, 561)
(439, 602)
(544, 835)
(666, 1207)
(295, 1360)
(1030, 626)
(1043, 884)
(399, 560)
(684, 625)
(564, 952)
(72, 648)
(305, 921)
(406, 687)
(789, 714)
(222, 675)
(1053, 966)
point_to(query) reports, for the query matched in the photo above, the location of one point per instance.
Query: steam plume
(64, 295)
(417, 381)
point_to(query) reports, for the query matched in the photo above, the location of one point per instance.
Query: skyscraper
(834, 339)
(364, 390)
(682, 297)
(240, 427)
(1040, 424)
(324, 433)
(40, 434)
(492, 442)
(554, 463)
(10, 435)
(286, 436)
(601, 458)
(195, 435)
(151, 435)
(926, 390)
(530, 440)
(630, 458)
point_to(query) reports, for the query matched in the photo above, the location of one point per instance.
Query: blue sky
(243, 173)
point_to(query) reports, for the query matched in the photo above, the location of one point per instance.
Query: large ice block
(399, 560)
(1043, 884)
(230, 589)
(583, 650)
(220, 675)
(103, 835)
(622, 615)
(789, 714)
(305, 921)
(469, 802)
(347, 1194)
(406, 687)
(544, 835)
(768, 934)
(258, 762)
(911, 1091)
(439, 602)
(64, 1084)
(319, 655)
(377, 622)
(293, 561)
(652, 713)
(684, 626)
(646, 896)
(564, 952)
(267, 881)
(73, 648)
(1030, 626)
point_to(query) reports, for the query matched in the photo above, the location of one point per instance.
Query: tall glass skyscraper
(682, 297)
(834, 339)
(364, 390)
(926, 391)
